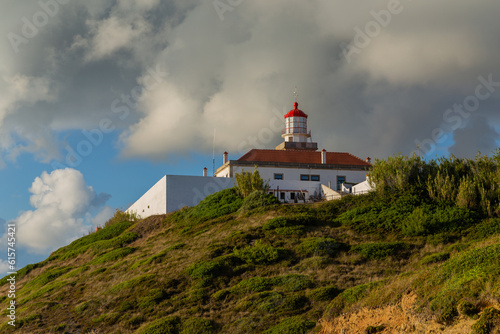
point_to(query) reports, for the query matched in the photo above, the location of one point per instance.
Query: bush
(323, 293)
(489, 320)
(169, 325)
(349, 297)
(430, 220)
(121, 216)
(293, 325)
(198, 326)
(320, 247)
(467, 308)
(216, 205)
(247, 183)
(108, 232)
(208, 270)
(113, 255)
(380, 250)
(260, 253)
(278, 222)
(153, 297)
(258, 199)
(293, 282)
(254, 284)
(48, 276)
(434, 258)
(485, 229)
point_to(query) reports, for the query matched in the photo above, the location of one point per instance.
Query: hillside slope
(231, 265)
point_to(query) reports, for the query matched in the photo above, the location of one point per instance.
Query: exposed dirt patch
(394, 319)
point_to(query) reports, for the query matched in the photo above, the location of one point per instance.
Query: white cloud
(4, 267)
(63, 205)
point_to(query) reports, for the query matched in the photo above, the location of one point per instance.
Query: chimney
(323, 156)
(224, 158)
(205, 171)
(369, 160)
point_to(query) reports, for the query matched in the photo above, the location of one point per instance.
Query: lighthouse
(295, 133)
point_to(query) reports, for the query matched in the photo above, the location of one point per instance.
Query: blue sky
(136, 89)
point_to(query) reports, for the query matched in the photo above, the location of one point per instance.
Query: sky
(101, 98)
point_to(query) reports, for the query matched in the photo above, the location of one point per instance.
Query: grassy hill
(401, 259)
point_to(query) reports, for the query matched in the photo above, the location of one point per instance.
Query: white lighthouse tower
(295, 132)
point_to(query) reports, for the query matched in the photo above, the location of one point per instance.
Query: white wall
(153, 202)
(173, 192)
(361, 188)
(190, 190)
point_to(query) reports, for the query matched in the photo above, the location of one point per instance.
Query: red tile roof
(306, 157)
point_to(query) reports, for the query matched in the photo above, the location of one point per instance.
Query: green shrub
(380, 250)
(109, 232)
(208, 270)
(258, 199)
(118, 242)
(152, 298)
(121, 216)
(323, 293)
(489, 320)
(278, 222)
(290, 230)
(108, 319)
(320, 247)
(434, 258)
(168, 325)
(260, 253)
(293, 304)
(133, 283)
(48, 276)
(135, 320)
(198, 326)
(247, 183)
(467, 308)
(253, 284)
(60, 327)
(113, 255)
(22, 272)
(447, 313)
(485, 229)
(430, 220)
(349, 297)
(81, 307)
(219, 204)
(293, 282)
(293, 325)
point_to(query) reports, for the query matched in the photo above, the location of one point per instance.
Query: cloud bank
(65, 208)
(233, 65)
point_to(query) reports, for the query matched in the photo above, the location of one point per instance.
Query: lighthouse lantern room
(295, 132)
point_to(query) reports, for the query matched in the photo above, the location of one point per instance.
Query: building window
(340, 180)
(304, 177)
(278, 176)
(314, 177)
(292, 195)
(282, 195)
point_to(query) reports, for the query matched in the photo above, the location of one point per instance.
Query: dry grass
(396, 319)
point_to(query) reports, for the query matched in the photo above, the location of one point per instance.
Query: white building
(295, 169)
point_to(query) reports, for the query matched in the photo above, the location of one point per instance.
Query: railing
(296, 130)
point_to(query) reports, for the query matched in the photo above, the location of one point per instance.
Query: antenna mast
(213, 156)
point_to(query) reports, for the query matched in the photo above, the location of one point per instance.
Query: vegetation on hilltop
(249, 265)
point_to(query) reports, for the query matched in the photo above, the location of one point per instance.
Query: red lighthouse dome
(296, 112)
